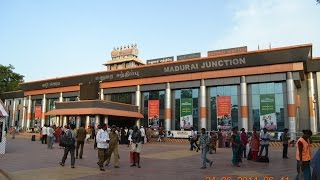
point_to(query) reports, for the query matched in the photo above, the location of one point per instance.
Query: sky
(49, 39)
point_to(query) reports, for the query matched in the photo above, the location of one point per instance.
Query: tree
(9, 80)
(318, 1)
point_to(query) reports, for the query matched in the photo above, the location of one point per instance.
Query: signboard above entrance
(227, 51)
(160, 60)
(189, 56)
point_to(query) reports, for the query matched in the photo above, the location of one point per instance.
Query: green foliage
(9, 80)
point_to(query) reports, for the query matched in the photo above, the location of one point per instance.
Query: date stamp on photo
(246, 178)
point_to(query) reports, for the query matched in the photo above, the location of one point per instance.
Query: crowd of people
(257, 143)
(107, 139)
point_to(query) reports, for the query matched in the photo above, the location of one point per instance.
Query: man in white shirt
(50, 136)
(265, 138)
(44, 134)
(143, 134)
(103, 145)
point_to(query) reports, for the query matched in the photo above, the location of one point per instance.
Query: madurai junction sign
(250, 59)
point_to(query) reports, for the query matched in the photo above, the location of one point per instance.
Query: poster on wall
(153, 113)
(224, 112)
(37, 112)
(268, 112)
(186, 118)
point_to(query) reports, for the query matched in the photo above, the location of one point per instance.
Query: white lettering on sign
(51, 84)
(205, 65)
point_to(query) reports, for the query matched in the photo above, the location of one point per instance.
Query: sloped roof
(3, 112)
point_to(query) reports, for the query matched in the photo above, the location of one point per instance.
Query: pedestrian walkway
(26, 159)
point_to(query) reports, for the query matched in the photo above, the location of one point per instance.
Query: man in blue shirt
(265, 138)
(204, 144)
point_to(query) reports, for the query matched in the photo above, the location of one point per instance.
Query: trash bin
(33, 138)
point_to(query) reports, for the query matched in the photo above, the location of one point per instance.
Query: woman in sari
(236, 147)
(213, 142)
(255, 143)
(57, 134)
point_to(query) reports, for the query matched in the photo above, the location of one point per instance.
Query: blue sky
(48, 39)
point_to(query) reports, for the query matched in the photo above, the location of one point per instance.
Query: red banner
(37, 113)
(223, 105)
(153, 113)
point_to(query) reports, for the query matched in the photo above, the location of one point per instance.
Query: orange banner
(224, 105)
(153, 113)
(37, 112)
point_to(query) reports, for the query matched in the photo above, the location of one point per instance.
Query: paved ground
(32, 160)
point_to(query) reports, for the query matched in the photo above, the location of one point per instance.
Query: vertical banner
(224, 112)
(268, 112)
(186, 119)
(37, 112)
(153, 113)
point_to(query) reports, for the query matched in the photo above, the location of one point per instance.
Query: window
(272, 96)
(186, 99)
(228, 91)
(122, 98)
(154, 122)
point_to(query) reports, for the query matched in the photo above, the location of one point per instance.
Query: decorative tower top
(125, 52)
(124, 57)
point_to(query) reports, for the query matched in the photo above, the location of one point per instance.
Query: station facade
(274, 88)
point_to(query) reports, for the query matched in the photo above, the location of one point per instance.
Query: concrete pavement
(32, 160)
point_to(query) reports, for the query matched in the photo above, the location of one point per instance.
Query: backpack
(67, 139)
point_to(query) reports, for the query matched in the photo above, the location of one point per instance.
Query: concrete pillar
(60, 97)
(106, 120)
(88, 121)
(97, 119)
(23, 112)
(29, 112)
(291, 106)
(167, 108)
(98, 122)
(311, 98)
(64, 120)
(61, 123)
(78, 122)
(244, 103)
(13, 112)
(44, 101)
(58, 121)
(138, 99)
(101, 94)
(203, 105)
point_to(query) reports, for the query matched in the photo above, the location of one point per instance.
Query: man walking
(50, 136)
(303, 155)
(204, 144)
(265, 138)
(143, 133)
(68, 140)
(135, 147)
(193, 140)
(284, 138)
(102, 138)
(81, 136)
(44, 134)
(113, 147)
